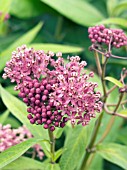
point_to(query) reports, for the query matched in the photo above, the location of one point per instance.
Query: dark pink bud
(36, 85)
(46, 92)
(48, 87)
(29, 110)
(46, 126)
(49, 113)
(49, 122)
(52, 128)
(38, 90)
(29, 116)
(62, 124)
(39, 122)
(32, 121)
(42, 87)
(44, 97)
(48, 107)
(37, 96)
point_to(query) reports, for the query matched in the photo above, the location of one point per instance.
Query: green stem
(98, 63)
(119, 102)
(93, 138)
(103, 80)
(52, 148)
(108, 128)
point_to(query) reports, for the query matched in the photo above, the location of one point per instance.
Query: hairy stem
(103, 81)
(98, 63)
(52, 148)
(107, 130)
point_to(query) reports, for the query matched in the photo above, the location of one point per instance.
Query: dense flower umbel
(53, 91)
(100, 34)
(10, 137)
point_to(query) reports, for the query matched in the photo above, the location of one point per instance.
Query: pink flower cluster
(10, 137)
(100, 34)
(54, 92)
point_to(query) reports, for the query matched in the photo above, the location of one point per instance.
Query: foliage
(57, 25)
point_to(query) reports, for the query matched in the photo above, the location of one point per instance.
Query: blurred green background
(43, 24)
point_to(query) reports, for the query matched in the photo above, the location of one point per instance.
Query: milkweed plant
(62, 94)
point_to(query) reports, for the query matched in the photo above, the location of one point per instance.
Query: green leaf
(5, 5)
(75, 147)
(114, 153)
(25, 39)
(26, 8)
(119, 9)
(50, 166)
(79, 11)
(18, 109)
(58, 153)
(122, 135)
(11, 90)
(58, 132)
(16, 151)
(23, 162)
(4, 116)
(118, 21)
(115, 81)
(110, 5)
(13, 122)
(57, 48)
(123, 112)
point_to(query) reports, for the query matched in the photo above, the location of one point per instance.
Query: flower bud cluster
(100, 34)
(41, 110)
(10, 137)
(55, 95)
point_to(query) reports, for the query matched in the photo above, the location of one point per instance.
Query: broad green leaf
(18, 109)
(29, 8)
(11, 90)
(122, 135)
(50, 166)
(13, 122)
(5, 5)
(58, 132)
(24, 162)
(74, 148)
(110, 5)
(115, 81)
(25, 39)
(26, 8)
(79, 11)
(119, 9)
(123, 112)
(16, 151)
(4, 116)
(57, 47)
(58, 153)
(114, 153)
(118, 21)
(97, 163)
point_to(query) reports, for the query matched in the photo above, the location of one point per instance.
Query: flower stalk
(52, 146)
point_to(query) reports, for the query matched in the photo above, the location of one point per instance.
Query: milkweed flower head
(102, 35)
(10, 137)
(54, 91)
